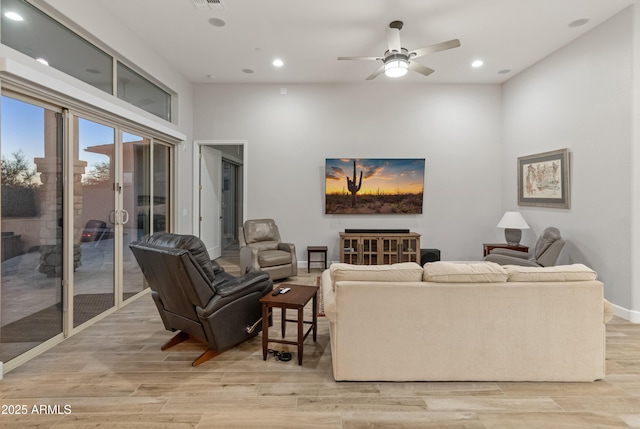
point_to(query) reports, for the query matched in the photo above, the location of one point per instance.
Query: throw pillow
(472, 272)
(558, 273)
(402, 272)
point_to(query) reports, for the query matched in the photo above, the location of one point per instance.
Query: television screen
(374, 185)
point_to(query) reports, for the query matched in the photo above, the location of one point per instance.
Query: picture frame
(544, 180)
(374, 185)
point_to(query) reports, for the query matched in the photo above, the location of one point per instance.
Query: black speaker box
(429, 255)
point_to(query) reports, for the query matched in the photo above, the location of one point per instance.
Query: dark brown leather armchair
(196, 297)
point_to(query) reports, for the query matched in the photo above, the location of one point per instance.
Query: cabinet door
(370, 246)
(389, 250)
(349, 252)
(410, 250)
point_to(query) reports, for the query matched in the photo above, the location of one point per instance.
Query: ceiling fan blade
(393, 39)
(417, 67)
(361, 58)
(375, 73)
(435, 48)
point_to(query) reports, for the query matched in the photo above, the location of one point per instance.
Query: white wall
(580, 98)
(455, 127)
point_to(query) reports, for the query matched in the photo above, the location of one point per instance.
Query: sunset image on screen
(374, 185)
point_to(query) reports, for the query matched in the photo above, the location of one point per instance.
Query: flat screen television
(374, 185)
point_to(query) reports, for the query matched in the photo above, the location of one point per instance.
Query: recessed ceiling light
(42, 61)
(504, 71)
(278, 62)
(217, 22)
(578, 22)
(247, 71)
(93, 71)
(477, 63)
(211, 76)
(14, 16)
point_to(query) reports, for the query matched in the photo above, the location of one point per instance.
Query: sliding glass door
(94, 219)
(76, 191)
(136, 206)
(31, 224)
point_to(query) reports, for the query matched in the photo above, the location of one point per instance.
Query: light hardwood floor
(113, 375)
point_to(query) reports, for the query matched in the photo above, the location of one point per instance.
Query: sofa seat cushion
(402, 272)
(272, 258)
(459, 272)
(264, 245)
(558, 273)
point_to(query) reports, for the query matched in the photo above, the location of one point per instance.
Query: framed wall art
(374, 185)
(543, 180)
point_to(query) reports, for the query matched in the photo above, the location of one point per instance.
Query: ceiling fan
(397, 61)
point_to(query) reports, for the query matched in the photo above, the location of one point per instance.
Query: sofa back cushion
(402, 272)
(558, 273)
(464, 272)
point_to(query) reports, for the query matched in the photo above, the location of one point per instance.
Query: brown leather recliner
(195, 296)
(262, 249)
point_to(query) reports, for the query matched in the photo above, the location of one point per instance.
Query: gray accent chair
(196, 297)
(545, 252)
(262, 249)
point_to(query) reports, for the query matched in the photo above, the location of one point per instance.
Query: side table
(488, 247)
(296, 299)
(316, 249)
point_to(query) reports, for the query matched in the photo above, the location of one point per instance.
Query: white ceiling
(309, 35)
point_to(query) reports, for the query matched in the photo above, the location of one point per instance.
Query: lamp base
(512, 236)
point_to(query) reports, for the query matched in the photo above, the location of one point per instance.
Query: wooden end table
(488, 247)
(316, 249)
(296, 298)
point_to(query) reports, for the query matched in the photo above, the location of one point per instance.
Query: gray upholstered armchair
(545, 252)
(262, 249)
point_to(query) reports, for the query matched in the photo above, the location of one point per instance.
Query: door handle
(112, 217)
(125, 216)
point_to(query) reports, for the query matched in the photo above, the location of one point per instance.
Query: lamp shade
(396, 68)
(513, 220)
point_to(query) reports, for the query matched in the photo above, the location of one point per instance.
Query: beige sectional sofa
(465, 322)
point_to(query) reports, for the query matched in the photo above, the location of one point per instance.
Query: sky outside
(22, 129)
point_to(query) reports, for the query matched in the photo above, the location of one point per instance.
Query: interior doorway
(225, 200)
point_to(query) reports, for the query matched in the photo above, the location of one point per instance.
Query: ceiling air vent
(208, 4)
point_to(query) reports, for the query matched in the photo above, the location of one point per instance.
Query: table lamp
(513, 224)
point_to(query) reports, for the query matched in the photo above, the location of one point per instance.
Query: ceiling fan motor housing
(393, 56)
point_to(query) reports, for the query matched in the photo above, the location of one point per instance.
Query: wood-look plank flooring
(113, 375)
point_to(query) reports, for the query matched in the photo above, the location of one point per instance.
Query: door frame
(196, 176)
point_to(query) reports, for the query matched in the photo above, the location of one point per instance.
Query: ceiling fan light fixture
(396, 68)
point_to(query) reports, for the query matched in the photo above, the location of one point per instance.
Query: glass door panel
(31, 225)
(94, 219)
(136, 207)
(161, 187)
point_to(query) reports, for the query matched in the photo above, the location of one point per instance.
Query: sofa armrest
(249, 260)
(509, 260)
(244, 285)
(328, 296)
(291, 248)
(510, 252)
(216, 267)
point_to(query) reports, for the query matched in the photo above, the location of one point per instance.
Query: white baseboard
(632, 316)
